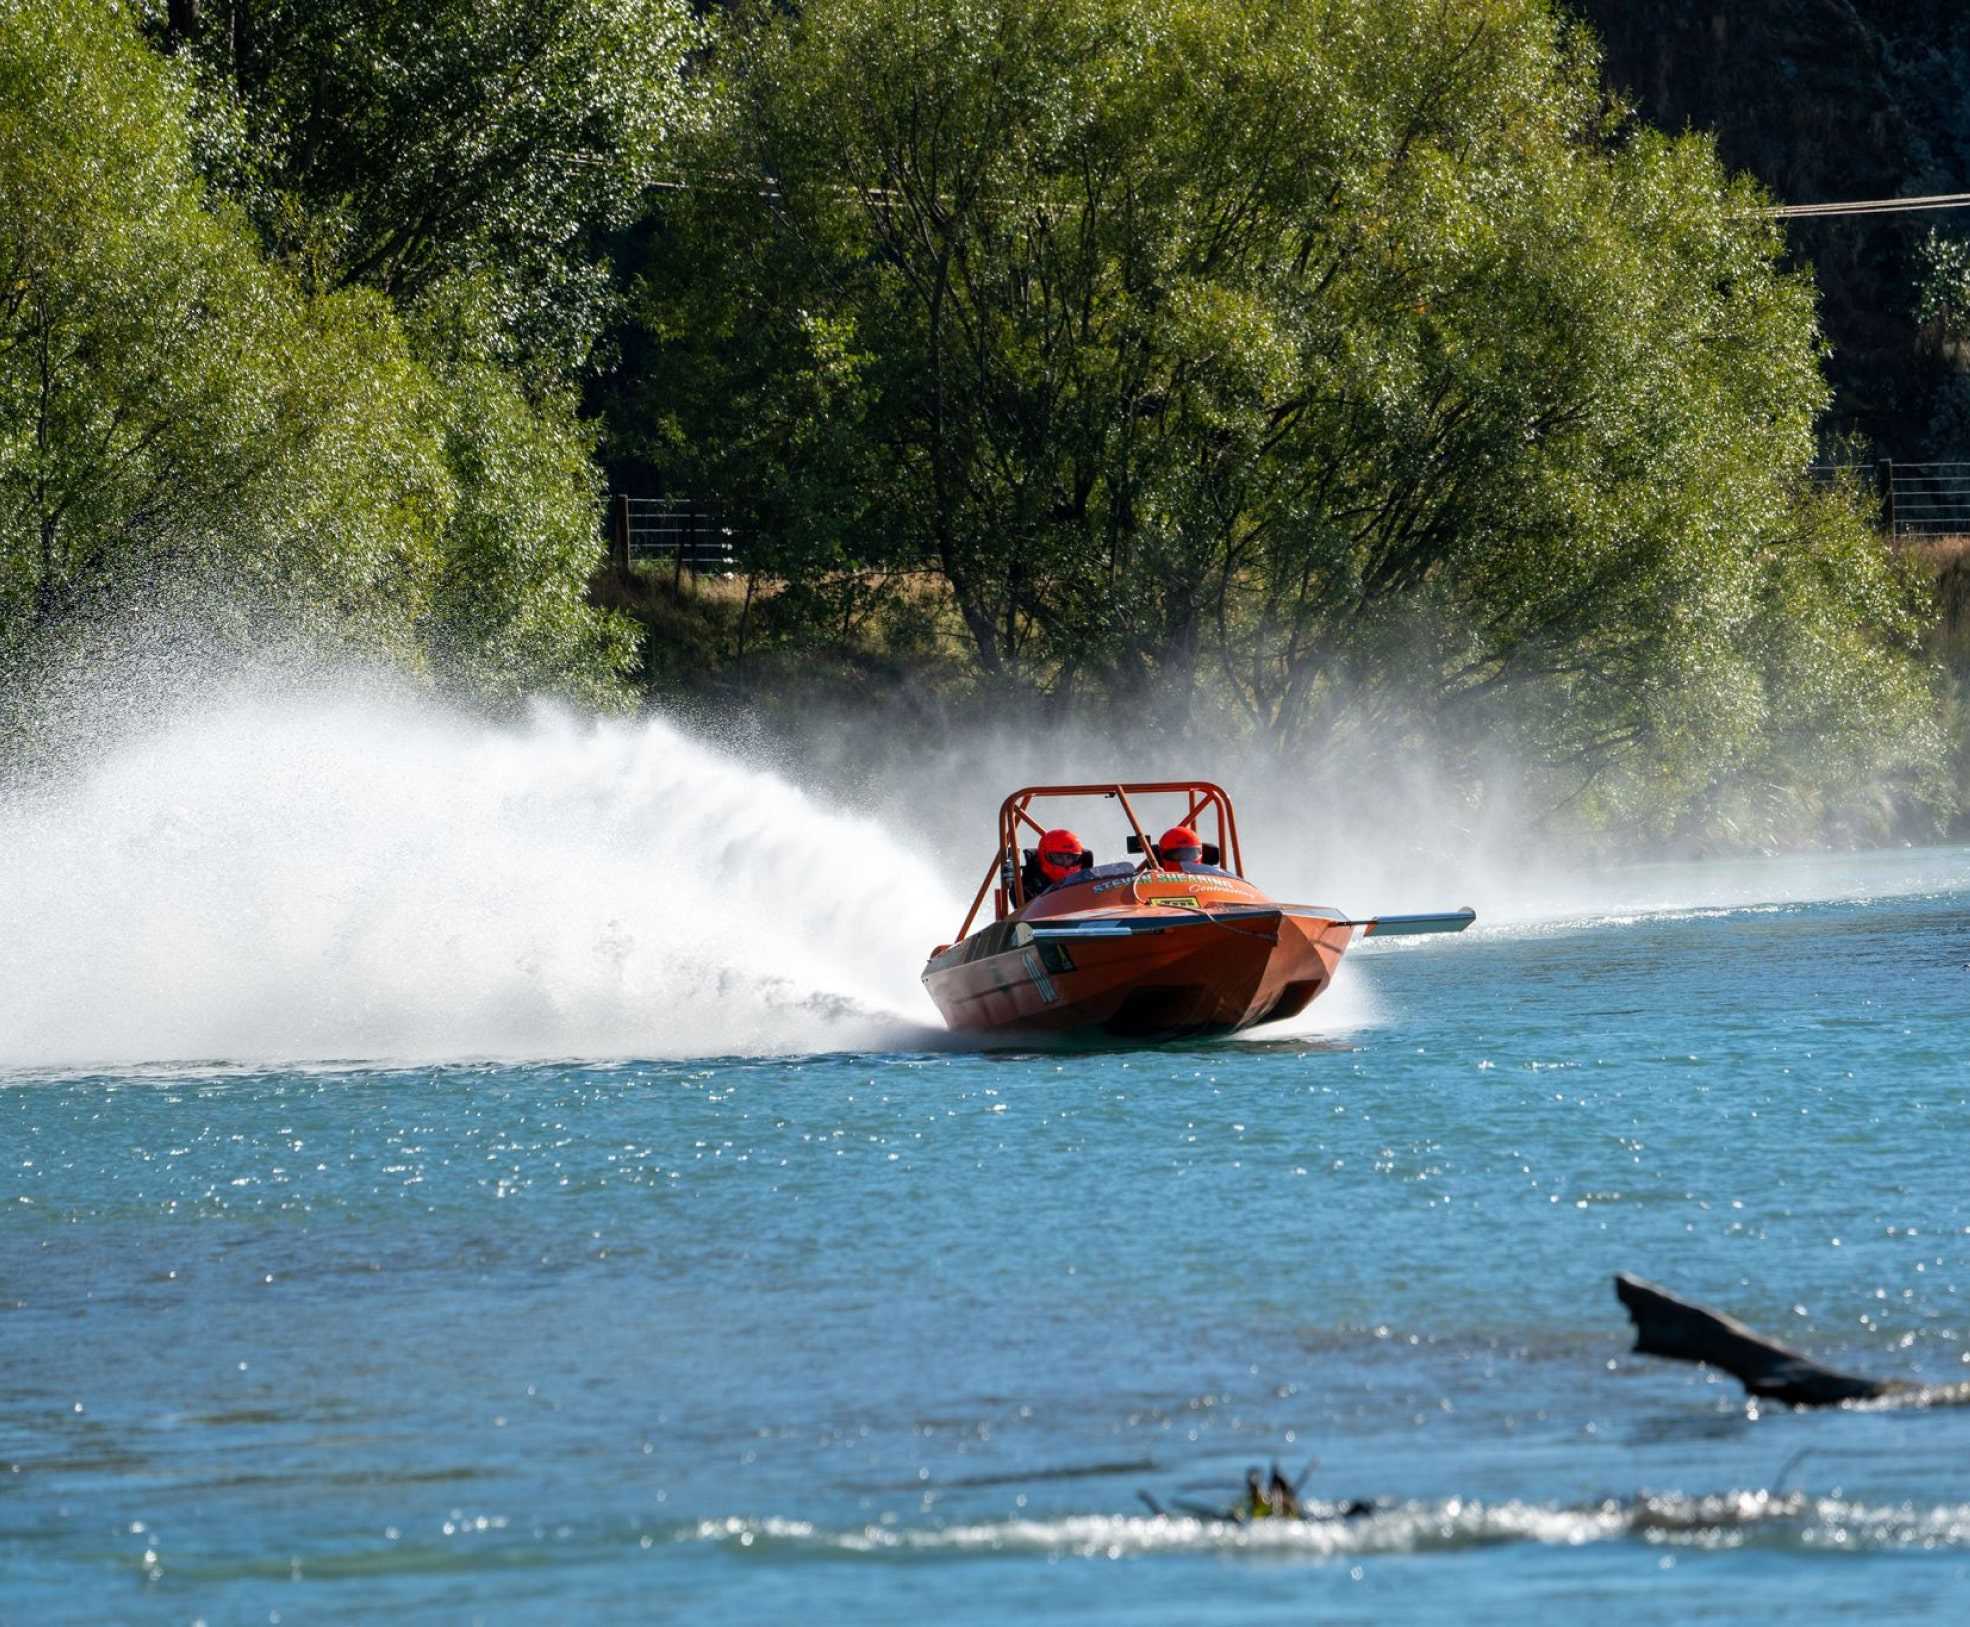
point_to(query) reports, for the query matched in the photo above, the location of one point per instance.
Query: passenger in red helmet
(1180, 845)
(1059, 856)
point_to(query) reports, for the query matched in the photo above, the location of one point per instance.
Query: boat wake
(1759, 1521)
(362, 877)
(353, 875)
(1734, 1519)
(1729, 890)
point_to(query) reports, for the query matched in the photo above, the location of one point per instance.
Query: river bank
(891, 686)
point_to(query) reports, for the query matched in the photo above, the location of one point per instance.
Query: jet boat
(1151, 948)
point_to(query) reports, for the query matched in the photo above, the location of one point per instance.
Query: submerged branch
(1680, 1331)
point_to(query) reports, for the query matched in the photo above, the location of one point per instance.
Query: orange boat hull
(1177, 944)
(1143, 970)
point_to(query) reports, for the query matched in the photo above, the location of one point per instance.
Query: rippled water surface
(900, 1335)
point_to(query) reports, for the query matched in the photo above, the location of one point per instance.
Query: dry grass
(1939, 553)
(1947, 560)
(716, 586)
(730, 586)
(700, 632)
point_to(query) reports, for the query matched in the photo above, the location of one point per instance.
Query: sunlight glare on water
(683, 1273)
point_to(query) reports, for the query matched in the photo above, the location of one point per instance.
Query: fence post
(622, 533)
(1886, 472)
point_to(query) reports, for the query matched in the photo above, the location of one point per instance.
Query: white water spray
(375, 879)
(345, 876)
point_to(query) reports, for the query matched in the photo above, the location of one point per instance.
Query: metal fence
(1917, 499)
(677, 531)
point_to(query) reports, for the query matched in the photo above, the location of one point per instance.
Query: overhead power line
(1869, 206)
(1783, 211)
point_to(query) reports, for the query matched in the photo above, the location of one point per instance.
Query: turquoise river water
(898, 1332)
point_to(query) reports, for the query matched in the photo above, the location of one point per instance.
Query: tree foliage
(1826, 103)
(510, 614)
(1328, 370)
(1348, 364)
(177, 412)
(397, 145)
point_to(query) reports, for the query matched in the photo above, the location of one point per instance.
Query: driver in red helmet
(1180, 845)
(1058, 857)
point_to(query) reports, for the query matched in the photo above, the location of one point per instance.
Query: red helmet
(1060, 854)
(1180, 845)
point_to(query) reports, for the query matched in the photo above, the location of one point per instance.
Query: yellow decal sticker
(1174, 903)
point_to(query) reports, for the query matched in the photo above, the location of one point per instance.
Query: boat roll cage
(1201, 798)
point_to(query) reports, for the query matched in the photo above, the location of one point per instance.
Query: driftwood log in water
(1672, 1327)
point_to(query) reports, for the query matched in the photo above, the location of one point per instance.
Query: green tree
(399, 145)
(510, 614)
(736, 388)
(1352, 364)
(180, 419)
(168, 404)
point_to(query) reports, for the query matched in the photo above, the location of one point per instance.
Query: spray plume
(317, 867)
(366, 877)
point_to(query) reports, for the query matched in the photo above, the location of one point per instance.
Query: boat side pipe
(1386, 926)
(1010, 816)
(1212, 798)
(1409, 926)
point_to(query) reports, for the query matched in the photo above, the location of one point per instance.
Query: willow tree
(1346, 363)
(170, 406)
(184, 422)
(399, 146)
